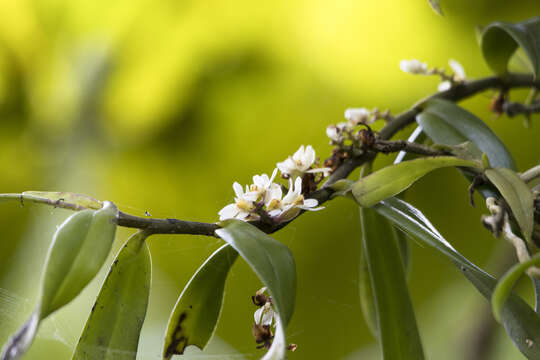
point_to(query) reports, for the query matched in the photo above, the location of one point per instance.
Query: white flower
(357, 115)
(265, 187)
(445, 85)
(413, 66)
(300, 163)
(458, 76)
(294, 201)
(264, 315)
(343, 125)
(457, 68)
(334, 133)
(243, 205)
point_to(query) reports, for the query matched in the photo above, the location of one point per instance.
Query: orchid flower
(300, 163)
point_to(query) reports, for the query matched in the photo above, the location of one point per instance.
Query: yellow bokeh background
(160, 106)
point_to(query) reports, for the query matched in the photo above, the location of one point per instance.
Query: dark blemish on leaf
(179, 341)
(191, 306)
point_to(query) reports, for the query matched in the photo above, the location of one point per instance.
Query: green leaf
(64, 200)
(506, 283)
(367, 302)
(446, 123)
(114, 325)
(536, 286)
(197, 310)
(520, 321)
(274, 264)
(393, 179)
(517, 195)
(79, 248)
(436, 6)
(398, 333)
(500, 41)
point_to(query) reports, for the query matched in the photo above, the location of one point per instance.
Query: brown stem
(386, 147)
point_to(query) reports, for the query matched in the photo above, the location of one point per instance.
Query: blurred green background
(160, 106)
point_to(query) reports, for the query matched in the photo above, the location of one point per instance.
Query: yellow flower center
(299, 200)
(244, 205)
(274, 204)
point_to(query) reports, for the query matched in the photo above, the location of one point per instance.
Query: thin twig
(386, 147)
(515, 108)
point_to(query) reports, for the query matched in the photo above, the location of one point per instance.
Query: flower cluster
(457, 77)
(347, 134)
(420, 68)
(265, 321)
(300, 163)
(265, 198)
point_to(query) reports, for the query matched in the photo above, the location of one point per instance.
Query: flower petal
(274, 173)
(299, 154)
(309, 203)
(238, 189)
(298, 185)
(457, 68)
(325, 170)
(310, 208)
(228, 212)
(445, 85)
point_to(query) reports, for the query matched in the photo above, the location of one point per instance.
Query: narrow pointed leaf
(500, 41)
(114, 325)
(536, 286)
(79, 248)
(446, 123)
(396, 322)
(517, 195)
(197, 310)
(520, 321)
(367, 303)
(506, 283)
(393, 179)
(64, 200)
(274, 264)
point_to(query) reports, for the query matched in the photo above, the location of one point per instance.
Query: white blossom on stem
(457, 68)
(294, 201)
(334, 133)
(264, 315)
(300, 163)
(357, 115)
(413, 67)
(265, 187)
(243, 207)
(458, 76)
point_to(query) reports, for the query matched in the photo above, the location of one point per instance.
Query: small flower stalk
(457, 77)
(416, 67)
(264, 199)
